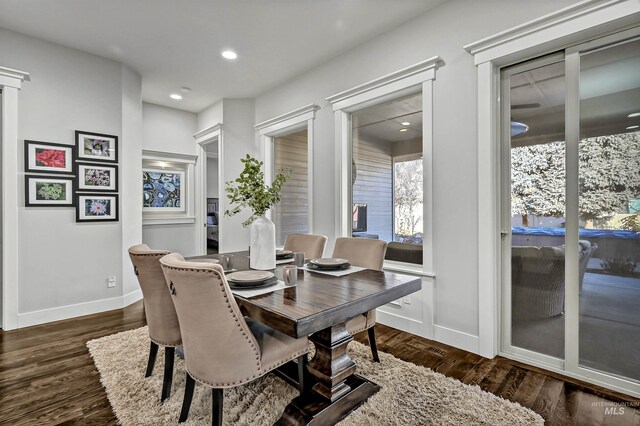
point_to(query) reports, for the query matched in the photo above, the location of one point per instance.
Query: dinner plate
(281, 254)
(252, 285)
(328, 262)
(249, 276)
(329, 268)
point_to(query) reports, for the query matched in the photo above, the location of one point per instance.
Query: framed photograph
(96, 147)
(163, 190)
(96, 207)
(47, 157)
(97, 177)
(46, 191)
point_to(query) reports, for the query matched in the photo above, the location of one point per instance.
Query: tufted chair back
(158, 306)
(219, 348)
(311, 245)
(364, 252)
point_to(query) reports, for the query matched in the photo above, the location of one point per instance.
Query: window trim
(410, 80)
(289, 122)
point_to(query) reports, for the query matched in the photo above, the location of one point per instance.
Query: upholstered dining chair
(222, 349)
(162, 320)
(367, 253)
(311, 245)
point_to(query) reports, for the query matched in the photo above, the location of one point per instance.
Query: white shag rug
(410, 394)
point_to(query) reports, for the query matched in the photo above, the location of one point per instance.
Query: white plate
(250, 276)
(283, 252)
(328, 261)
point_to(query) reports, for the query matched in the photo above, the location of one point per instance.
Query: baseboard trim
(131, 298)
(28, 319)
(456, 338)
(406, 324)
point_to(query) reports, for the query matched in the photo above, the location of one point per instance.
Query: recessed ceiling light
(405, 123)
(403, 130)
(229, 54)
(175, 96)
(632, 127)
(634, 114)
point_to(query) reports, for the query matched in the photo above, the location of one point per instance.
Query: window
(387, 177)
(384, 128)
(287, 143)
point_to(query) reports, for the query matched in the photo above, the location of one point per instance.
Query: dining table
(318, 307)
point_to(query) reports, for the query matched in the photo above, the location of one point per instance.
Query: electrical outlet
(111, 282)
(407, 300)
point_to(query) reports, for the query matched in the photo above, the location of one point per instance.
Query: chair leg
(153, 351)
(217, 402)
(302, 368)
(188, 396)
(169, 357)
(372, 343)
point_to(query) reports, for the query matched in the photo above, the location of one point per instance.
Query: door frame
(210, 135)
(10, 83)
(576, 24)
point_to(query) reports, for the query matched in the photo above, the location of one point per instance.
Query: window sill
(407, 268)
(168, 220)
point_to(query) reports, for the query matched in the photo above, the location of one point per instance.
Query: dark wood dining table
(319, 307)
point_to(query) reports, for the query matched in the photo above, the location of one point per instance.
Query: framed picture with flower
(48, 157)
(47, 191)
(96, 207)
(96, 147)
(163, 190)
(97, 177)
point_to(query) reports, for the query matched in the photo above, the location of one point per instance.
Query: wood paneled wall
(374, 185)
(291, 215)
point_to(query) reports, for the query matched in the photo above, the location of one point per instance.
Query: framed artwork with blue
(163, 190)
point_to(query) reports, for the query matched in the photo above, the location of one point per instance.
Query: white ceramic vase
(263, 244)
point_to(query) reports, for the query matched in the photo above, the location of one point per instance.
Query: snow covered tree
(609, 177)
(408, 196)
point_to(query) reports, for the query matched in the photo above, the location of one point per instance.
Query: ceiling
(609, 92)
(383, 122)
(175, 44)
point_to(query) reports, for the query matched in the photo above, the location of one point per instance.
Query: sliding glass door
(571, 211)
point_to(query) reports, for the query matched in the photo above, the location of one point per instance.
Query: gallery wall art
(48, 157)
(96, 147)
(97, 177)
(46, 191)
(96, 207)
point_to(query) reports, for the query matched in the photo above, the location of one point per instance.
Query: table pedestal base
(312, 409)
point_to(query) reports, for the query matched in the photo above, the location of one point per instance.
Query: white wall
(211, 115)
(442, 31)
(170, 130)
(212, 178)
(62, 262)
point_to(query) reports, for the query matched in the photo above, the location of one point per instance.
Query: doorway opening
(212, 201)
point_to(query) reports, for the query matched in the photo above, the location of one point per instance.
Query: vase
(263, 244)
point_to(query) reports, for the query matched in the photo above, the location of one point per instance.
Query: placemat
(339, 273)
(249, 293)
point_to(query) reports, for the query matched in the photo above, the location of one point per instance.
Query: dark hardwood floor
(48, 377)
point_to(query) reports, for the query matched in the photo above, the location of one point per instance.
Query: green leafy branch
(250, 191)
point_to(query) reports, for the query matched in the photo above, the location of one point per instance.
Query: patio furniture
(222, 349)
(162, 320)
(537, 277)
(369, 254)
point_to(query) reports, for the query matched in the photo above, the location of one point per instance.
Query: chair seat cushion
(361, 322)
(277, 348)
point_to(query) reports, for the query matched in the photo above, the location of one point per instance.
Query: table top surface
(319, 301)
